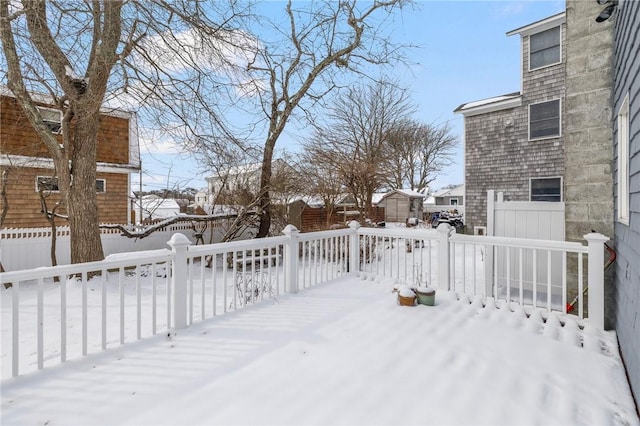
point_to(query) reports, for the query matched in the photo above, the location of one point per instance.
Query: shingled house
(514, 142)
(551, 141)
(27, 165)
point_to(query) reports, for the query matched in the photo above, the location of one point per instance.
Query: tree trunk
(265, 181)
(82, 203)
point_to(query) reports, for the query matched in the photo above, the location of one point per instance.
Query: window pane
(545, 57)
(46, 183)
(548, 189)
(544, 48)
(100, 185)
(544, 119)
(545, 39)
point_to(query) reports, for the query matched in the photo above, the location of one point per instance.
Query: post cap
(178, 240)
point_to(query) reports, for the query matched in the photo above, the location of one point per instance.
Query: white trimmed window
(545, 189)
(544, 48)
(52, 118)
(48, 183)
(622, 187)
(544, 120)
(453, 201)
(101, 185)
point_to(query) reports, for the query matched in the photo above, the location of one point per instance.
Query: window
(453, 202)
(622, 187)
(47, 183)
(544, 48)
(52, 119)
(546, 189)
(544, 120)
(101, 185)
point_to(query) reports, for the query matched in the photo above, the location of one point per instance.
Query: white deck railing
(129, 296)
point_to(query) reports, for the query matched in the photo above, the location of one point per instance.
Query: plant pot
(406, 297)
(426, 296)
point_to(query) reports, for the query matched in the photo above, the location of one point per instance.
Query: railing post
(291, 258)
(179, 275)
(595, 281)
(444, 229)
(354, 248)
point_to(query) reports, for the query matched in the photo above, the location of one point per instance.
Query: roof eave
(491, 107)
(539, 26)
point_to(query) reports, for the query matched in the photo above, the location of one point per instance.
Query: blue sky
(463, 55)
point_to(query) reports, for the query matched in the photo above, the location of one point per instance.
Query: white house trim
(47, 163)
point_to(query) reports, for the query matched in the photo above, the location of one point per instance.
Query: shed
(401, 205)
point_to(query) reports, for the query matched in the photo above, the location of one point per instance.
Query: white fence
(27, 248)
(129, 296)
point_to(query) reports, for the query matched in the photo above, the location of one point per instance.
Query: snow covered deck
(342, 352)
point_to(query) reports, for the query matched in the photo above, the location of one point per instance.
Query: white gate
(538, 220)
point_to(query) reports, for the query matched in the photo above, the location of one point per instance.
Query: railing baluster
(63, 319)
(202, 289)
(83, 282)
(580, 287)
(104, 281)
(214, 286)
(121, 289)
(521, 276)
(40, 344)
(138, 303)
(549, 280)
(15, 329)
(535, 278)
(508, 277)
(190, 290)
(564, 282)
(154, 308)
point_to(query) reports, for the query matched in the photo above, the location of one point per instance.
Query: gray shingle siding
(627, 238)
(498, 152)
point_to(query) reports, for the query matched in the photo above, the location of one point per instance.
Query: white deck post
(291, 258)
(444, 261)
(489, 250)
(354, 244)
(179, 275)
(595, 280)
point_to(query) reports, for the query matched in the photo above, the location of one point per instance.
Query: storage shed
(402, 204)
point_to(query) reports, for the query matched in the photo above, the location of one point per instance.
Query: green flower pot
(426, 296)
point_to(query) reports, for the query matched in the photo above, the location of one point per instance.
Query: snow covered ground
(341, 353)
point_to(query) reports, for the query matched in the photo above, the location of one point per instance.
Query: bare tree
(354, 139)
(415, 153)
(28, 35)
(82, 54)
(320, 43)
(321, 179)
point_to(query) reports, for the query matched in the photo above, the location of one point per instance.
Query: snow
(343, 352)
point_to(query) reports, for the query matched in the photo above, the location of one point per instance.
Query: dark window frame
(547, 192)
(538, 118)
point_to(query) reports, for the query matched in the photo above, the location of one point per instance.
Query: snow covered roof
(408, 192)
(456, 191)
(497, 103)
(341, 353)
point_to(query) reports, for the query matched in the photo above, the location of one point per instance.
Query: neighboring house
(28, 165)
(155, 207)
(626, 112)
(550, 141)
(240, 178)
(402, 204)
(201, 198)
(452, 196)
